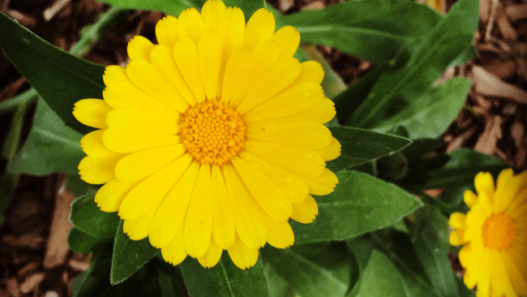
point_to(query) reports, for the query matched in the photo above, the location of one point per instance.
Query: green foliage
(361, 203)
(88, 218)
(48, 68)
(51, 146)
(224, 279)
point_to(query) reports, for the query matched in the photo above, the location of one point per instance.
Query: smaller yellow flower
(494, 235)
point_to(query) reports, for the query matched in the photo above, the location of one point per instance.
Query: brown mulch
(34, 258)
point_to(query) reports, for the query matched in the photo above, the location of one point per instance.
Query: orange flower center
(499, 231)
(212, 132)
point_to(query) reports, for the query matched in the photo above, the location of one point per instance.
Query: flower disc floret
(212, 132)
(498, 231)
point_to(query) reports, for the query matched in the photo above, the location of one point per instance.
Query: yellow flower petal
(223, 229)
(186, 56)
(457, 220)
(209, 54)
(92, 112)
(321, 113)
(303, 134)
(330, 152)
(288, 38)
(276, 78)
(500, 282)
(237, 67)
(174, 253)
(144, 76)
(139, 48)
(165, 65)
(260, 27)
(470, 198)
(141, 120)
(321, 185)
(279, 232)
(312, 72)
(97, 171)
(456, 237)
(137, 229)
(132, 140)
(242, 256)
(211, 12)
(231, 30)
(484, 185)
(213, 254)
(295, 190)
(294, 159)
(247, 218)
(110, 196)
(266, 193)
(166, 31)
(141, 164)
(198, 223)
(190, 25)
(291, 101)
(170, 216)
(306, 211)
(464, 255)
(517, 276)
(93, 146)
(120, 92)
(155, 187)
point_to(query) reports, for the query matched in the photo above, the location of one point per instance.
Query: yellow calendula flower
(494, 235)
(212, 139)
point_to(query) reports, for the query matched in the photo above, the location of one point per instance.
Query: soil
(34, 257)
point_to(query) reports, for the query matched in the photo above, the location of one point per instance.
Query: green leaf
(79, 187)
(247, 6)
(129, 255)
(419, 64)
(51, 146)
(381, 278)
(433, 255)
(59, 77)
(87, 217)
(361, 203)
(313, 270)
(332, 83)
(94, 281)
(371, 30)
(173, 7)
(360, 146)
(81, 242)
(460, 169)
(420, 147)
(224, 279)
(429, 115)
(350, 99)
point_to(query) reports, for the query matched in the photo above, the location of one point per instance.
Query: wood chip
(28, 269)
(503, 70)
(26, 240)
(79, 265)
(31, 282)
(490, 85)
(12, 287)
(313, 5)
(57, 247)
(458, 141)
(510, 108)
(484, 10)
(488, 140)
(51, 294)
(285, 5)
(492, 19)
(516, 11)
(51, 11)
(506, 29)
(4, 293)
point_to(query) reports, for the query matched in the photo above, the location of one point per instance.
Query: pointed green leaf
(313, 270)
(59, 77)
(380, 278)
(224, 279)
(360, 146)
(81, 242)
(129, 255)
(419, 64)
(51, 146)
(430, 114)
(87, 217)
(361, 203)
(371, 30)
